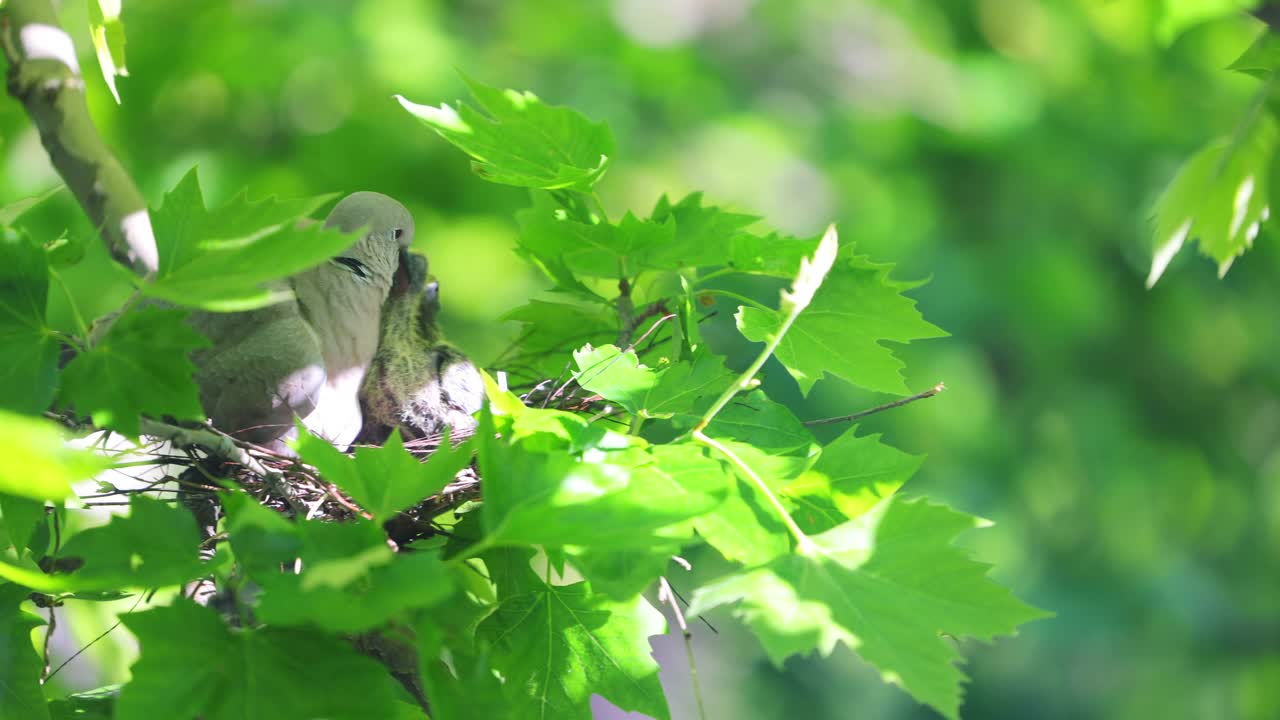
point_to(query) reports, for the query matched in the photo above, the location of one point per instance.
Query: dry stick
(667, 595)
(880, 408)
(44, 75)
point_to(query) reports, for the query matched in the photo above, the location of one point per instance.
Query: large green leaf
(140, 366)
(1219, 196)
(557, 645)
(841, 332)
(28, 349)
(615, 375)
(384, 480)
(191, 665)
(617, 492)
(38, 464)
(20, 694)
(550, 331)
(891, 586)
(852, 475)
(600, 249)
(222, 259)
(522, 141)
(349, 579)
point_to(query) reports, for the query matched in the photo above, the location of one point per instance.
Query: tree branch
(880, 408)
(44, 75)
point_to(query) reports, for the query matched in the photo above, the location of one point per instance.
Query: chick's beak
(402, 281)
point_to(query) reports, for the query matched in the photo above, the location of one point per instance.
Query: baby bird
(417, 382)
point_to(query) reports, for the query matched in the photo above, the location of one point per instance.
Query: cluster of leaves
(533, 601)
(1223, 193)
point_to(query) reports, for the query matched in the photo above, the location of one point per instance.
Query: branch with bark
(44, 75)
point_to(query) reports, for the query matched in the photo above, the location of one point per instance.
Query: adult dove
(306, 357)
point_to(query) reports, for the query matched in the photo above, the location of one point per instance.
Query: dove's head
(382, 250)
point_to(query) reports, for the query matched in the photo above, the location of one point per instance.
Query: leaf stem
(880, 408)
(71, 301)
(739, 298)
(804, 544)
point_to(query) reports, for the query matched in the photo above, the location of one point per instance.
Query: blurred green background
(1123, 440)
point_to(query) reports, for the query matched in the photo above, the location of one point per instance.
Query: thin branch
(44, 75)
(667, 595)
(880, 408)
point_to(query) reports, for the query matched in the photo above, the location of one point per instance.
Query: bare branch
(880, 408)
(44, 75)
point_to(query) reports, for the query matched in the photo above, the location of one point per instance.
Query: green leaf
(550, 331)
(522, 141)
(155, 545)
(683, 385)
(853, 475)
(1261, 58)
(20, 695)
(755, 420)
(857, 308)
(107, 32)
(557, 645)
(140, 366)
(709, 236)
(1219, 196)
(615, 375)
(96, 704)
(38, 464)
(616, 493)
(891, 586)
(192, 665)
(350, 580)
(384, 480)
(622, 573)
(590, 249)
(223, 259)
(28, 348)
(21, 516)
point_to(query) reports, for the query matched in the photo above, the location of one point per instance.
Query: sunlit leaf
(38, 464)
(889, 585)
(138, 367)
(521, 140)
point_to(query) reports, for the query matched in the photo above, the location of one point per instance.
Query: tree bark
(44, 75)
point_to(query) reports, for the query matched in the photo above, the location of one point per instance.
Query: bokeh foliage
(1123, 440)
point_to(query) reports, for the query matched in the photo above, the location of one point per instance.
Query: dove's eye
(398, 232)
(356, 267)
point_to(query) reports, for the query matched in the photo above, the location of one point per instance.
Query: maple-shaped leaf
(21, 516)
(599, 249)
(710, 236)
(384, 480)
(550, 331)
(522, 140)
(891, 586)
(155, 545)
(20, 694)
(615, 375)
(1220, 197)
(842, 331)
(139, 366)
(28, 348)
(224, 259)
(38, 464)
(685, 385)
(852, 475)
(342, 576)
(591, 488)
(557, 645)
(192, 665)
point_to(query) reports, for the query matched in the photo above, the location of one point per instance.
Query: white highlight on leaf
(1251, 233)
(1164, 255)
(813, 271)
(444, 116)
(1224, 266)
(46, 42)
(1240, 206)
